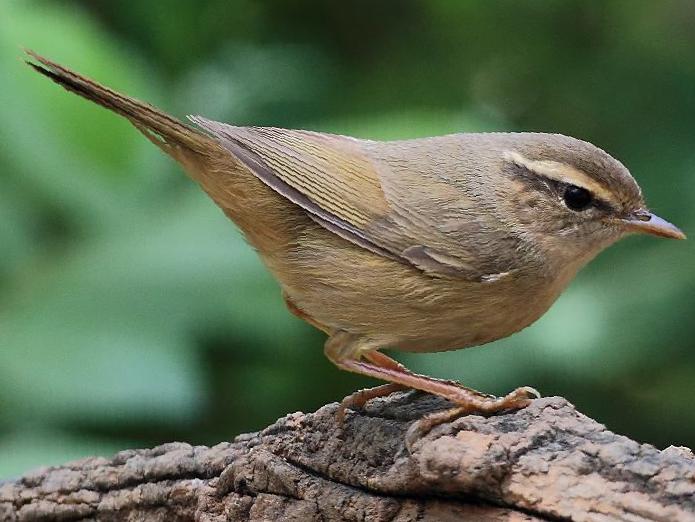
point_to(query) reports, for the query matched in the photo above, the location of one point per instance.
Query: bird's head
(573, 198)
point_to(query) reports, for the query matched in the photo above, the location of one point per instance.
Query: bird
(418, 245)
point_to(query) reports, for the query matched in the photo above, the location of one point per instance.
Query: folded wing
(376, 205)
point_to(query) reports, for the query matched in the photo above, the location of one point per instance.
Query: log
(546, 462)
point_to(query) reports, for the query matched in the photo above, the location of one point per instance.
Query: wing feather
(380, 206)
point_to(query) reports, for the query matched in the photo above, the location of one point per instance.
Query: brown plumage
(420, 245)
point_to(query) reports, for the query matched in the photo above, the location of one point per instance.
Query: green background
(133, 313)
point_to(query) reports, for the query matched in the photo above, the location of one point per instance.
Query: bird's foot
(516, 400)
(357, 400)
(344, 350)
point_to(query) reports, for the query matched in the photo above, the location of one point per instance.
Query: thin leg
(346, 351)
(384, 361)
(357, 400)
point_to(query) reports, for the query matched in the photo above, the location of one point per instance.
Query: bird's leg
(354, 354)
(357, 400)
(385, 361)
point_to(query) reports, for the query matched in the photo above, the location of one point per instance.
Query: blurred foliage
(132, 312)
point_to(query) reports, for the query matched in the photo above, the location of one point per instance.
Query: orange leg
(385, 361)
(354, 354)
(357, 400)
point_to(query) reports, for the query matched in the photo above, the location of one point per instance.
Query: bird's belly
(401, 307)
(471, 319)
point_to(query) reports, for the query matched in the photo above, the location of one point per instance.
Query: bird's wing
(356, 197)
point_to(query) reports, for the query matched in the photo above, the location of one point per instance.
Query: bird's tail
(169, 134)
(266, 218)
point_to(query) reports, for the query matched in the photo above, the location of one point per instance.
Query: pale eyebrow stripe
(563, 173)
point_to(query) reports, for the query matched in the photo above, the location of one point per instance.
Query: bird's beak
(647, 223)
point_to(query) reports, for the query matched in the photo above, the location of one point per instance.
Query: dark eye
(577, 198)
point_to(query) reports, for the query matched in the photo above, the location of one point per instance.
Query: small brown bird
(419, 245)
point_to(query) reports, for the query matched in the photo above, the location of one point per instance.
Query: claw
(516, 400)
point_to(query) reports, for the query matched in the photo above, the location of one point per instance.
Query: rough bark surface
(547, 462)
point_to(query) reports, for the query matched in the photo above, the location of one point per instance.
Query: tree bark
(546, 462)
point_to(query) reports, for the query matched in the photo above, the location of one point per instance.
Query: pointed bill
(647, 223)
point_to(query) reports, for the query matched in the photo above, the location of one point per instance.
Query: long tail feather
(163, 130)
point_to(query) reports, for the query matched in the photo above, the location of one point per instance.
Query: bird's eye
(577, 198)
